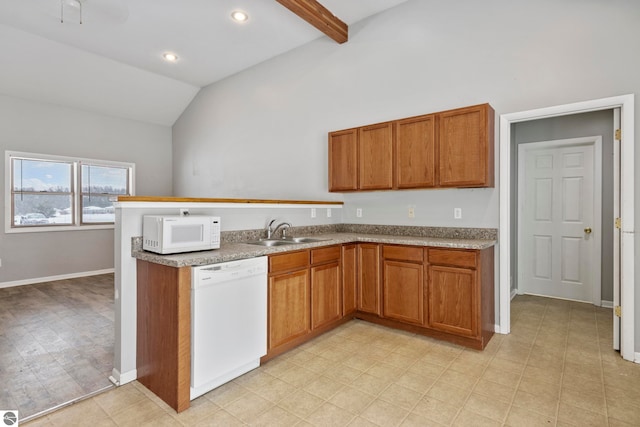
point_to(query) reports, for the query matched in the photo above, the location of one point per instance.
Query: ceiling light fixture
(239, 16)
(170, 57)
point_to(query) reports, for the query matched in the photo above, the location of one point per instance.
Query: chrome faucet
(272, 232)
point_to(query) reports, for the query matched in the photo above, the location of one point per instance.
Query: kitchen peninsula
(432, 281)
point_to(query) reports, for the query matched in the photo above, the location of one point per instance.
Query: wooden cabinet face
(369, 278)
(375, 149)
(402, 293)
(288, 307)
(349, 279)
(453, 300)
(466, 147)
(326, 301)
(415, 152)
(343, 160)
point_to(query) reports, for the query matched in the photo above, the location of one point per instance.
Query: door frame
(627, 211)
(596, 142)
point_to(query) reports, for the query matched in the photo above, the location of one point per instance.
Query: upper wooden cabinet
(375, 149)
(416, 152)
(343, 160)
(466, 147)
(447, 149)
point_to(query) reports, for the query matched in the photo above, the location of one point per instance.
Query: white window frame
(77, 191)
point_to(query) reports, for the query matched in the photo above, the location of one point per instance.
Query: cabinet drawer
(404, 253)
(458, 258)
(288, 261)
(331, 253)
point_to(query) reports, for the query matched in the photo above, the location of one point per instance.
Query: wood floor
(56, 342)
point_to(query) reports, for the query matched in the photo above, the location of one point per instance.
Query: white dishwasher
(228, 321)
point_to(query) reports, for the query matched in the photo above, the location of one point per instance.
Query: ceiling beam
(320, 17)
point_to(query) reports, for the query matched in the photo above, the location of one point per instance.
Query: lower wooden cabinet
(460, 293)
(369, 278)
(403, 284)
(326, 290)
(288, 298)
(349, 279)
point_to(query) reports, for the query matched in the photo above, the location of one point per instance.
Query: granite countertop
(237, 250)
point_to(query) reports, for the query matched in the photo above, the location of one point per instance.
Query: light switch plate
(359, 212)
(313, 212)
(457, 213)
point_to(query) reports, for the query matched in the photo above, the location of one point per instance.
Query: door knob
(587, 230)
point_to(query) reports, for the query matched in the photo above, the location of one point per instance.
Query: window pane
(41, 175)
(97, 209)
(104, 179)
(41, 209)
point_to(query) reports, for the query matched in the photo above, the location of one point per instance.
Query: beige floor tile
(360, 362)
(370, 384)
(224, 395)
(275, 417)
(319, 364)
(427, 368)
(80, 413)
(248, 406)
(446, 392)
(298, 376)
(141, 412)
(487, 406)
(436, 410)
(120, 398)
(342, 373)
(275, 390)
(580, 417)
(352, 400)
(415, 420)
(415, 381)
(384, 413)
(277, 366)
(624, 409)
(400, 396)
(301, 403)
(546, 405)
(495, 374)
(329, 415)
(471, 419)
(583, 399)
(538, 387)
(200, 409)
(458, 379)
(323, 387)
(494, 390)
(521, 417)
(385, 371)
(220, 418)
(552, 377)
(361, 422)
(467, 368)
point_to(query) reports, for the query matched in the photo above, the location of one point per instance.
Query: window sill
(47, 229)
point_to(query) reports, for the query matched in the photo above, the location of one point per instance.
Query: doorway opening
(507, 249)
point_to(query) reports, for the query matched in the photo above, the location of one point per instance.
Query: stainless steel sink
(303, 239)
(285, 241)
(271, 242)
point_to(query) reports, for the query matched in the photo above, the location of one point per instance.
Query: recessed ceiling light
(239, 16)
(170, 57)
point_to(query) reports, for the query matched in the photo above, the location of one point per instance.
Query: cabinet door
(375, 149)
(326, 301)
(453, 300)
(288, 307)
(415, 152)
(369, 278)
(466, 147)
(402, 291)
(349, 279)
(343, 160)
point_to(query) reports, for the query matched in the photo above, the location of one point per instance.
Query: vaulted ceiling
(113, 62)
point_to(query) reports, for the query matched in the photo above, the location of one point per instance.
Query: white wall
(419, 57)
(49, 129)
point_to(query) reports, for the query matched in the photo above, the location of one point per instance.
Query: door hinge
(617, 311)
(618, 135)
(618, 223)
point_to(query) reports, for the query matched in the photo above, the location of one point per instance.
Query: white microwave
(171, 234)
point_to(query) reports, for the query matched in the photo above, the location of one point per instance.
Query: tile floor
(56, 342)
(555, 369)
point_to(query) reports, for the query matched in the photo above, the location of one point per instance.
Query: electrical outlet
(313, 212)
(412, 212)
(184, 211)
(359, 212)
(328, 212)
(457, 213)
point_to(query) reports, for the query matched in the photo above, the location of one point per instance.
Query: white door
(559, 219)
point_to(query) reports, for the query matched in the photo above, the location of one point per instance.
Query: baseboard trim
(119, 379)
(54, 278)
(606, 304)
(514, 292)
(637, 358)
